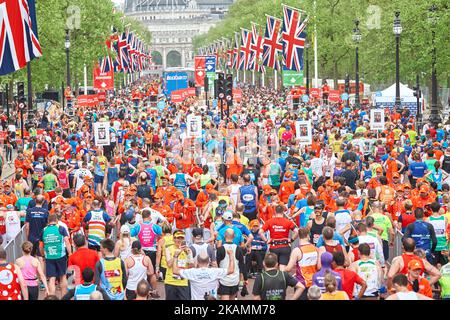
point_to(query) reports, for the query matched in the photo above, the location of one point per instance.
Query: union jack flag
(122, 52)
(106, 64)
(19, 42)
(272, 46)
(131, 51)
(293, 35)
(256, 49)
(245, 52)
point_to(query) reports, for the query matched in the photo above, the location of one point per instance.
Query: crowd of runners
(246, 210)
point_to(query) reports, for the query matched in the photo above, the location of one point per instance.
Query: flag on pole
(256, 49)
(123, 52)
(272, 46)
(19, 42)
(293, 36)
(245, 52)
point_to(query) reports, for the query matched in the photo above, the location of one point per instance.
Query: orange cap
(179, 195)
(379, 169)
(254, 223)
(267, 189)
(423, 189)
(329, 183)
(414, 265)
(395, 175)
(209, 186)
(87, 178)
(288, 174)
(133, 188)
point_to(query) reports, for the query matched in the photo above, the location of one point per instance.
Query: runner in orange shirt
(164, 209)
(287, 187)
(392, 165)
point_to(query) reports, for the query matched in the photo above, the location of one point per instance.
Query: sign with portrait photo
(304, 131)
(377, 119)
(101, 134)
(194, 126)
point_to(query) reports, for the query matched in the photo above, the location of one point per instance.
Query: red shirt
(84, 258)
(279, 230)
(349, 279)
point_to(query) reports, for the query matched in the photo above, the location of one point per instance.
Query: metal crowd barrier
(396, 250)
(14, 247)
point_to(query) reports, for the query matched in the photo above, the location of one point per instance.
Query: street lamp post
(435, 118)
(357, 38)
(67, 45)
(307, 46)
(397, 29)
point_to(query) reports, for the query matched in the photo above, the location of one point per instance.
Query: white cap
(227, 215)
(124, 229)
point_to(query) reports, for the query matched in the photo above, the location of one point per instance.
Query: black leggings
(255, 255)
(33, 293)
(8, 153)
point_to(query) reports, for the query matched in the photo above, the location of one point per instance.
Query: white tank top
(231, 279)
(410, 295)
(368, 271)
(12, 223)
(125, 253)
(234, 193)
(137, 272)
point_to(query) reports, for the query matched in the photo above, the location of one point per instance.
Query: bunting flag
(272, 46)
(124, 59)
(293, 36)
(256, 49)
(245, 52)
(19, 42)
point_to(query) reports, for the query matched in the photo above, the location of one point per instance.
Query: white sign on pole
(377, 119)
(194, 126)
(101, 134)
(304, 131)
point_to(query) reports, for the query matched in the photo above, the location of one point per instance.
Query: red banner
(315, 92)
(87, 100)
(297, 92)
(334, 96)
(180, 95)
(103, 81)
(237, 94)
(341, 87)
(200, 72)
(101, 95)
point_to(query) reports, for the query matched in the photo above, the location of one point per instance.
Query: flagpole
(253, 77)
(275, 78)
(262, 79)
(244, 76)
(316, 72)
(85, 79)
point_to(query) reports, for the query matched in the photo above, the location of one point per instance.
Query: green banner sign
(292, 78)
(211, 77)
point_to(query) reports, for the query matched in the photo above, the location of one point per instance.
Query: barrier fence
(14, 247)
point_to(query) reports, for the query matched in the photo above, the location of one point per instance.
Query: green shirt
(384, 222)
(439, 227)
(444, 281)
(412, 136)
(53, 239)
(22, 205)
(49, 182)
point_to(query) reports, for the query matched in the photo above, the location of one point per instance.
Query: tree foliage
(334, 20)
(90, 24)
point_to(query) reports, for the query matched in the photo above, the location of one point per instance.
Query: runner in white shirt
(204, 280)
(79, 175)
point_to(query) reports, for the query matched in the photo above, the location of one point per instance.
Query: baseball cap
(227, 215)
(254, 223)
(414, 265)
(124, 229)
(423, 189)
(179, 234)
(395, 175)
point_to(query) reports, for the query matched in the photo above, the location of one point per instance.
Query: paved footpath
(8, 169)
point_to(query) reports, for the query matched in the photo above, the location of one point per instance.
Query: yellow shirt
(337, 295)
(182, 261)
(397, 133)
(244, 220)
